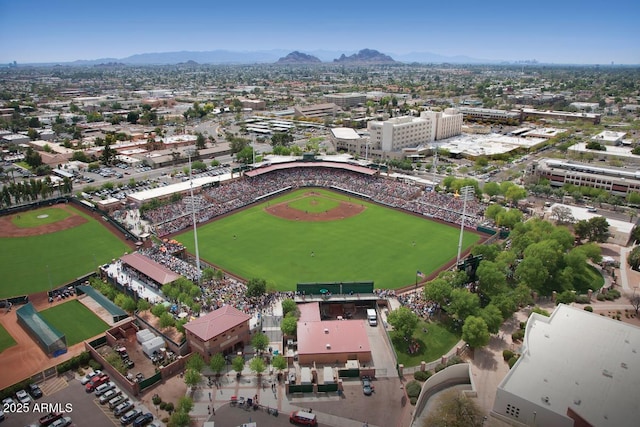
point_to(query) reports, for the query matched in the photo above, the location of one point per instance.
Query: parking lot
(69, 393)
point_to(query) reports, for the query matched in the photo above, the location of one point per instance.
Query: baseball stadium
(291, 222)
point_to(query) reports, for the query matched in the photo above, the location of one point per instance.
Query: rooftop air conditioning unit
(326, 331)
(328, 346)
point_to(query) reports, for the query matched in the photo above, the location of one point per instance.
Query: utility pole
(466, 193)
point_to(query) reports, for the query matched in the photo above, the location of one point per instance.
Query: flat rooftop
(579, 360)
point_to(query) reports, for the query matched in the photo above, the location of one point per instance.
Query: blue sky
(560, 31)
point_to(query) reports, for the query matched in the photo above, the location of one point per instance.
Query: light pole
(466, 193)
(193, 214)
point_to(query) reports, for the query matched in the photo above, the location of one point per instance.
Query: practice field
(75, 321)
(374, 243)
(6, 340)
(35, 263)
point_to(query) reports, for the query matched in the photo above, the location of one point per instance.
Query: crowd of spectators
(235, 194)
(165, 254)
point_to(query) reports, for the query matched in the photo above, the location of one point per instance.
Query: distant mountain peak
(366, 56)
(296, 57)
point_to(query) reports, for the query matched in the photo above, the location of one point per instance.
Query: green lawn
(377, 245)
(433, 344)
(6, 340)
(75, 321)
(30, 218)
(37, 263)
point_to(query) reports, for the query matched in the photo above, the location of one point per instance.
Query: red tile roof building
(225, 330)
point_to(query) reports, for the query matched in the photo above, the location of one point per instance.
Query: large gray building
(576, 369)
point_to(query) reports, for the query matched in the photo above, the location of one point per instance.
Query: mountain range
(280, 56)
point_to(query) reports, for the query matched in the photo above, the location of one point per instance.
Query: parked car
(96, 382)
(367, 387)
(122, 408)
(34, 391)
(88, 377)
(103, 388)
(61, 422)
(23, 396)
(8, 401)
(143, 420)
(117, 400)
(109, 395)
(46, 420)
(130, 416)
(303, 418)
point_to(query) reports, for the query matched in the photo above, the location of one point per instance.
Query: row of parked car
(109, 394)
(23, 397)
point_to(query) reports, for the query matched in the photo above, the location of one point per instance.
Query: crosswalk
(53, 385)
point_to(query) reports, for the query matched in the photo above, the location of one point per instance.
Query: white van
(372, 317)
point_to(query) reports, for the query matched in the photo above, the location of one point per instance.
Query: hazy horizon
(570, 32)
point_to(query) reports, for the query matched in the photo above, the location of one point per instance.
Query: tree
(581, 229)
(404, 321)
(245, 155)
(491, 278)
(257, 365)
(491, 189)
(463, 304)
(185, 404)
(634, 258)
(599, 229)
(288, 306)
(32, 158)
(493, 211)
(289, 325)
(192, 378)
(492, 317)
(217, 363)
(108, 154)
(475, 332)
(143, 304)
(260, 341)
(195, 362)
(256, 287)
(279, 362)
(281, 138)
(166, 320)
(238, 364)
(179, 419)
(634, 299)
(438, 290)
(201, 142)
(454, 409)
(562, 214)
(515, 193)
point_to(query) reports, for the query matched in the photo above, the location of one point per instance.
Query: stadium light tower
(466, 193)
(190, 152)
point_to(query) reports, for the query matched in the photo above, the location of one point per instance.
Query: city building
(489, 114)
(346, 100)
(401, 132)
(617, 181)
(225, 330)
(447, 123)
(316, 110)
(576, 369)
(609, 137)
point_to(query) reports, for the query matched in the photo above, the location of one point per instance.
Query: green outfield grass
(377, 245)
(38, 263)
(30, 219)
(75, 321)
(6, 340)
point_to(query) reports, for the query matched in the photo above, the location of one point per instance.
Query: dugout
(52, 341)
(116, 312)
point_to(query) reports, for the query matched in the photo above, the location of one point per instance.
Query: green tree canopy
(195, 362)
(279, 362)
(403, 320)
(238, 364)
(256, 287)
(289, 325)
(475, 332)
(288, 306)
(217, 363)
(260, 341)
(463, 304)
(257, 365)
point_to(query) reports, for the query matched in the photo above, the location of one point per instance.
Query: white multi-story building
(409, 132)
(447, 124)
(401, 132)
(576, 369)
